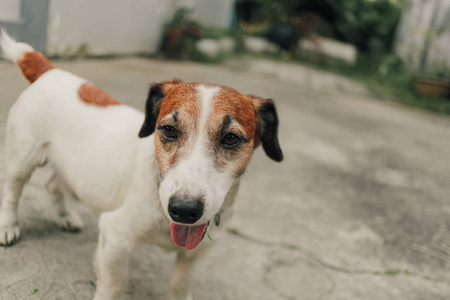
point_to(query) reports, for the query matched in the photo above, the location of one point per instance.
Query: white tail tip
(11, 49)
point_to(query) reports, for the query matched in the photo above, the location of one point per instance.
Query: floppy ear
(155, 96)
(267, 127)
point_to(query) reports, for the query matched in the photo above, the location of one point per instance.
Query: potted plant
(436, 84)
(180, 34)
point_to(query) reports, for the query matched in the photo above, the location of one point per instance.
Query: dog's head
(204, 137)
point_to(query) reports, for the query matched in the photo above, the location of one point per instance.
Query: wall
(10, 9)
(214, 12)
(423, 35)
(105, 27)
(218, 13)
(26, 20)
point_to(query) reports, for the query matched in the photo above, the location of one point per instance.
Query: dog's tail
(32, 62)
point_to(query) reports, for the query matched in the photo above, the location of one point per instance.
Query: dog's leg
(180, 288)
(9, 226)
(20, 164)
(66, 218)
(112, 256)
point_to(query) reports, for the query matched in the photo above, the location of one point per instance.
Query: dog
(167, 177)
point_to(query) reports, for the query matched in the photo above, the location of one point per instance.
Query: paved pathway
(359, 209)
(298, 74)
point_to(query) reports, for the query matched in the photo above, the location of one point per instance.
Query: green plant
(393, 272)
(180, 35)
(440, 73)
(215, 33)
(238, 36)
(368, 24)
(36, 292)
(203, 58)
(180, 19)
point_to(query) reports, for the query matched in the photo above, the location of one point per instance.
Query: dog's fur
(195, 141)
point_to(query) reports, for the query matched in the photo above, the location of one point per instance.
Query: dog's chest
(159, 234)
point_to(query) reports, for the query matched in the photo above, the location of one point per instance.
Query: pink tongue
(187, 236)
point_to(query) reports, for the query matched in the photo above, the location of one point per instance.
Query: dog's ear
(155, 97)
(267, 127)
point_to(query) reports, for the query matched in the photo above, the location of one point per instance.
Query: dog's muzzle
(186, 212)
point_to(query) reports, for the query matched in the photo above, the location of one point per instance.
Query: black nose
(185, 211)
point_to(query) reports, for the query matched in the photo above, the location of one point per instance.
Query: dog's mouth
(188, 236)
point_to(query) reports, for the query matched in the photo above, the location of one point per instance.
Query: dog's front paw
(9, 231)
(70, 222)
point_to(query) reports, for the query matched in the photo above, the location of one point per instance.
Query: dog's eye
(230, 140)
(169, 133)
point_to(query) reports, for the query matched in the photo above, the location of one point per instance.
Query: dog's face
(204, 138)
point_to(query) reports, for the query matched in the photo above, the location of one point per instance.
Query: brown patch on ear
(90, 94)
(267, 127)
(33, 65)
(157, 93)
(167, 85)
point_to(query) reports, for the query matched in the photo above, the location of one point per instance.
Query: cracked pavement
(359, 209)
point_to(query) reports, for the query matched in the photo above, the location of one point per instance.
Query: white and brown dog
(168, 184)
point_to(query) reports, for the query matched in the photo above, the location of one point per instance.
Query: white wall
(9, 9)
(104, 27)
(423, 35)
(217, 13)
(214, 12)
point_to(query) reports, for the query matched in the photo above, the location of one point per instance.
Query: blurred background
(398, 48)
(359, 208)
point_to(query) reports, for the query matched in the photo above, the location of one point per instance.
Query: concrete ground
(359, 209)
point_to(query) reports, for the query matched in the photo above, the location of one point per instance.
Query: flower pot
(432, 87)
(172, 42)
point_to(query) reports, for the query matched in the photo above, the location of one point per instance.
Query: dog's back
(66, 120)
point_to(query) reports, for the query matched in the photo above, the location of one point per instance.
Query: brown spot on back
(90, 94)
(33, 65)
